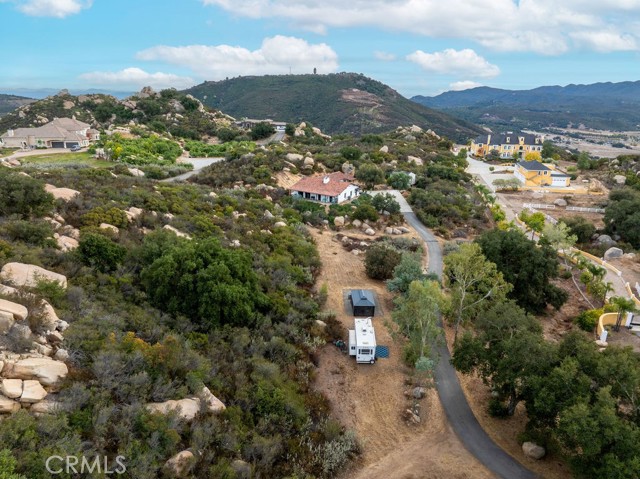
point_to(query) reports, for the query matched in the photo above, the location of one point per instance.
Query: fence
(585, 210)
(538, 206)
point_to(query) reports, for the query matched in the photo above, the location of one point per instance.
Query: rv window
(365, 351)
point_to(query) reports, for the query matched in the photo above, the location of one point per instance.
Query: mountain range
(606, 106)
(11, 102)
(336, 103)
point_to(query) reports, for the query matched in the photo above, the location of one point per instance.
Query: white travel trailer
(362, 341)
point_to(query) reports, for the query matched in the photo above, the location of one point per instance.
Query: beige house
(507, 145)
(59, 133)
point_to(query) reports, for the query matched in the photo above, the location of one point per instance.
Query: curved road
(452, 397)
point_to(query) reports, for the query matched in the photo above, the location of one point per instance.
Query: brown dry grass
(370, 400)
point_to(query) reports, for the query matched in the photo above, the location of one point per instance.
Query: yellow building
(507, 144)
(534, 173)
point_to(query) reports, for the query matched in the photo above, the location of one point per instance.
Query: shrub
(380, 261)
(37, 233)
(365, 212)
(23, 196)
(100, 252)
(587, 320)
(101, 214)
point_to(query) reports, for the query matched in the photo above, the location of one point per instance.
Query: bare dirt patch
(369, 398)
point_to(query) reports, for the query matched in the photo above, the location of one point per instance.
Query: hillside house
(507, 145)
(248, 123)
(534, 173)
(59, 133)
(334, 188)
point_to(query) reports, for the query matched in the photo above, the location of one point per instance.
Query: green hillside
(11, 102)
(336, 103)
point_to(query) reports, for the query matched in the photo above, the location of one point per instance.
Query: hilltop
(167, 111)
(11, 102)
(336, 103)
(606, 106)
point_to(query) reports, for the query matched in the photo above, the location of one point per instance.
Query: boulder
(54, 337)
(415, 159)
(294, 157)
(134, 212)
(357, 223)
(49, 318)
(612, 253)
(180, 464)
(388, 230)
(62, 325)
(71, 232)
(8, 406)
(321, 323)
(6, 322)
(11, 388)
(107, 226)
(533, 451)
(280, 224)
(620, 179)
(66, 243)
(21, 274)
(45, 370)
(560, 202)
(418, 392)
(348, 168)
(370, 232)
(58, 218)
(176, 231)
(20, 332)
(403, 229)
(309, 162)
(212, 403)
(61, 355)
(268, 214)
(43, 349)
(338, 221)
(65, 194)
(32, 392)
(235, 244)
(384, 149)
(605, 239)
(396, 231)
(46, 406)
(415, 129)
(18, 311)
(537, 195)
(242, 469)
(135, 172)
(187, 408)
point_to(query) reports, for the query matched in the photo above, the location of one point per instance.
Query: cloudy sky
(416, 46)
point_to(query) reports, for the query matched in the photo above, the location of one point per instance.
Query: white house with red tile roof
(335, 187)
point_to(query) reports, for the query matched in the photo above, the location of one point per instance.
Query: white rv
(362, 341)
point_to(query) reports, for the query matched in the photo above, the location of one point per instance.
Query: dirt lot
(370, 400)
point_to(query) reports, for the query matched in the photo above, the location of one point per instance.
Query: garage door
(71, 144)
(57, 144)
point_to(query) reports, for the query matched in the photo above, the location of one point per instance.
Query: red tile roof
(336, 184)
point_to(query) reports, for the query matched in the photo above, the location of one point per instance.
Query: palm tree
(624, 306)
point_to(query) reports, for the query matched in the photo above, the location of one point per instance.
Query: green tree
(381, 260)
(527, 267)
(584, 161)
(370, 175)
(290, 129)
(623, 306)
(23, 196)
(206, 282)
(506, 351)
(579, 226)
(622, 215)
(399, 180)
(475, 283)
(351, 153)
(386, 202)
(417, 313)
(534, 221)
(100, 252)
(408, 270)
(262, 130)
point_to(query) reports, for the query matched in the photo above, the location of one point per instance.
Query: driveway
(198, 165)
(481, 169)
(453, 400)
(404, 205)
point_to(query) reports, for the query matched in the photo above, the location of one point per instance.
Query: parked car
(76, 148)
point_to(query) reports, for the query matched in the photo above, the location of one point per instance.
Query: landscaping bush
(381, 260)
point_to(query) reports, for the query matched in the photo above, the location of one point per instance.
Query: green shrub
(38, 233)
(100, 252)
(101, 214)
(23, 196)
(587, 320)
(365, 212)
(380, 261)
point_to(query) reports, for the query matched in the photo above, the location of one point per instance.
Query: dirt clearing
(370, 398)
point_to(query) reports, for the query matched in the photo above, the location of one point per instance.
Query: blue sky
(415, 46)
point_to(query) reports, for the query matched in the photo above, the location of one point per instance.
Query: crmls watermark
(85, 465)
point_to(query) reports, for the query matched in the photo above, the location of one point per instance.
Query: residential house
(335, 187)
(248, 123)
(59, 133)
(534, 173)
(507, 145)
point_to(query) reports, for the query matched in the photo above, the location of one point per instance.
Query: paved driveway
(481, 169)
(198, 165)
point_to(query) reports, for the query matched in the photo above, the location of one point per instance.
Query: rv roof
(365, 334)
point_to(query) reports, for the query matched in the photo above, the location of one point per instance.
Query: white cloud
(276, 55)
(137, 78)
(50, 8)
(463, 85)
(455, 62)
(384, 56)
(604, 41)
(543, 26)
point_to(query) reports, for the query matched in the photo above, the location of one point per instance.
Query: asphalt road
(453, 400)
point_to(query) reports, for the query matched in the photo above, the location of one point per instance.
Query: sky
(418, 47)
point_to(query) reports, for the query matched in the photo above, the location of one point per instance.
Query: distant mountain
(39, 93)
(11, 102)
(613, 106)
(336, 103)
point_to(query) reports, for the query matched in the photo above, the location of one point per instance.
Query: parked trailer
(362, 341)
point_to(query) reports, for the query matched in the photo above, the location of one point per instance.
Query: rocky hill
(336, 103)
(167, 111)
(11, 102)
(607, 106)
